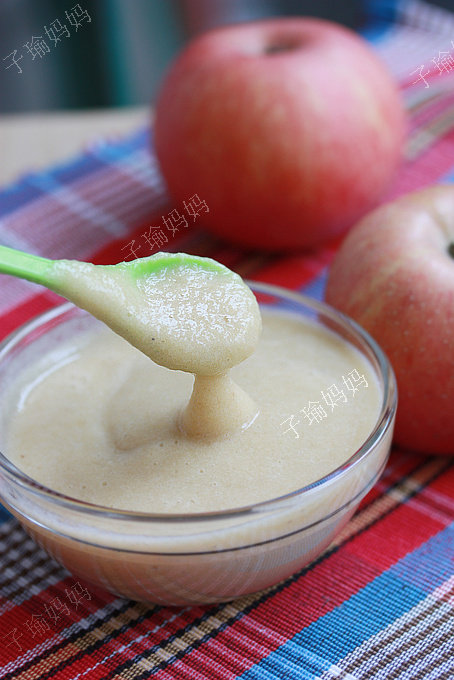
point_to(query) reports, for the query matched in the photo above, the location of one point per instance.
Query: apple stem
(451, 249)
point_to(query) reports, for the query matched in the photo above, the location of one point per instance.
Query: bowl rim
(381, 428)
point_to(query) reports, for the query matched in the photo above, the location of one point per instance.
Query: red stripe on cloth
(27, 310)
(439, 496)
(295, 271)
(388, 543)
(426, 169)
(219, 664)
(400, 465)
(14, 291)
(51, 228)
(35, 606)
(117, 191)
(119, 250)
(192, 240)
(411, 81)
(445, 485)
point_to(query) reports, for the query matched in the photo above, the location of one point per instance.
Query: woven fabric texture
(378, 603)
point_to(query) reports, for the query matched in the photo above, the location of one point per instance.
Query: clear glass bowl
(202, 557)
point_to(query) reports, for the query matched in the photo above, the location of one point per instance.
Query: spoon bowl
(185, 312)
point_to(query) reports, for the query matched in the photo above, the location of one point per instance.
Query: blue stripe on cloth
(430, 565)
(101, 156)
(383, 10)
(83, 166)
(114, 153)
(34, 185)
(331, 637)
(375, 32)
(382, 16)
(17, 196)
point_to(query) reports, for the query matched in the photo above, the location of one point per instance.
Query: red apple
(289, 129)
(394, 274)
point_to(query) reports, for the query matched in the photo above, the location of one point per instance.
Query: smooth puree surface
(184, 312)
(101, 422)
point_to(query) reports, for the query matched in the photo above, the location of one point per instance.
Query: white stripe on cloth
(136, 640)
(9, 529)
(420, 14)
(11, 239)
(55, 232)
(418, 658)
(145, 168)
(45, 580)
(34, 579)
(406, 49)
(418, 501)
(404, 631)
(129, 204)
(76, 204)
(420, 33)
(441, 671)
(336, 672)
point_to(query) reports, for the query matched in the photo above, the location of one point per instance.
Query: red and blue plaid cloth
(379, 602)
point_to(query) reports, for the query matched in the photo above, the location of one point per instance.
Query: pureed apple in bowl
(101, 467)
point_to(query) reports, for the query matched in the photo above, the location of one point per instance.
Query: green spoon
(48, 272)
(185, 312)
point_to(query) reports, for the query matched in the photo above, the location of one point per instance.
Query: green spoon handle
(70, 277)
(26, 266)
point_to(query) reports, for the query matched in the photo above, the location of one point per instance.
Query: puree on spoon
(185, 312)
(194, 315)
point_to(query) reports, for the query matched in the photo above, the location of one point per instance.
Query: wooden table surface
(33, 141)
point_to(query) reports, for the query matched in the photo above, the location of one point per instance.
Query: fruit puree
(98, 421)
(87, 414)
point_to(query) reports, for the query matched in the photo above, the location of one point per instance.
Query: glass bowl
(194, 558)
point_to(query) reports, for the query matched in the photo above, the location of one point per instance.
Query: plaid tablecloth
(378, 603)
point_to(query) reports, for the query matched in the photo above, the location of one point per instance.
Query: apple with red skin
(289, 129)
(394, 275)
